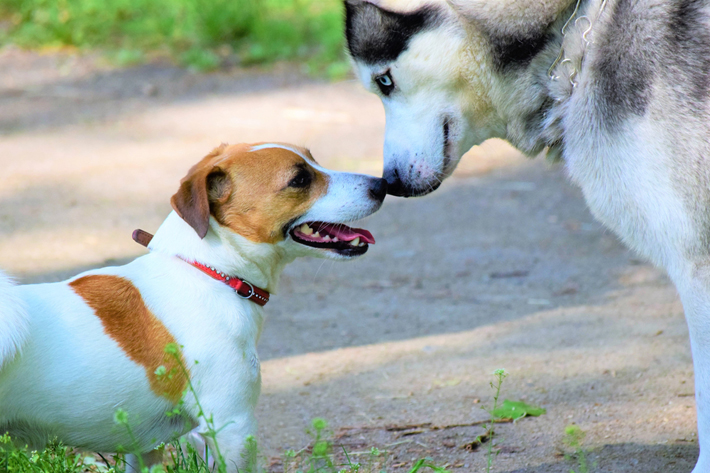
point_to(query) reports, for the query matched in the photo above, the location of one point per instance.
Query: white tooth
(355, 242)
(335, 239)
(326, 238)
(306, 230)
(361, 244)
(316, 234)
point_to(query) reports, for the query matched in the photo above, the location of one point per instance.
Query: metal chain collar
(561, 59)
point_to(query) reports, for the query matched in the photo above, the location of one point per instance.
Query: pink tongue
(345, 233)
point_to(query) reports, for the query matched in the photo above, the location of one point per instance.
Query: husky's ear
(377, 31)
(510, 17)
(397, 6)
(204, 186)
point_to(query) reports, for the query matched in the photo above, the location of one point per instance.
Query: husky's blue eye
(385, 83)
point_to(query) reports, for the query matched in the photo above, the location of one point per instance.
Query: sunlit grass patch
(54, 459)
(202, 34)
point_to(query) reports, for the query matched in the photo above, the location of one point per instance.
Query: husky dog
(617, 89)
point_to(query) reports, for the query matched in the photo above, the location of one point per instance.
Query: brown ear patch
(190, 203)
(192, 200)
(126, 319)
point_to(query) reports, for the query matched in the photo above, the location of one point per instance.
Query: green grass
(574, 437)
(318, 457)
(54, 459)
(198, 33)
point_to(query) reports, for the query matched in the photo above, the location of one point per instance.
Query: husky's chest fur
(634, 124)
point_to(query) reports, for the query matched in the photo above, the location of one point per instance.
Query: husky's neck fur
(259, 263)
(529, 101)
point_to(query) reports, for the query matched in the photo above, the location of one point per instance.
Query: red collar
(244, 289)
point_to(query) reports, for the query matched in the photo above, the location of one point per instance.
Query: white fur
(292, 149)
(13, 321)
(71, 376)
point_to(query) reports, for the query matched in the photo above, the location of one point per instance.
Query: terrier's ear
(204, 186)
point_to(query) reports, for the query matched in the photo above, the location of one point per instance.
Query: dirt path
(502, 268)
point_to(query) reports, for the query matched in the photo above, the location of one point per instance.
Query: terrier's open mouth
(338, 237)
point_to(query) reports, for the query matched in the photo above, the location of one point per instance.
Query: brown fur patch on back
(126, 319)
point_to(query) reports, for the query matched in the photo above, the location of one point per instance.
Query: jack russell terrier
(72, 353)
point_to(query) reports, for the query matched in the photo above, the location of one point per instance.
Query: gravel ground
(503, 267)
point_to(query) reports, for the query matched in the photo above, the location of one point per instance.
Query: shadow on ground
(628, 457)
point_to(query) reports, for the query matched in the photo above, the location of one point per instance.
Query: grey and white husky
(617, 89)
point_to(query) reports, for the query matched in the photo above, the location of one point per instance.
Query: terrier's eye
(385, 83)
(302, 179)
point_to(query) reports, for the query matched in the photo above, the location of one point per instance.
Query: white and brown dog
(74, 352)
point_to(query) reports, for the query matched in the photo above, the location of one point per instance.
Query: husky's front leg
(695, 294)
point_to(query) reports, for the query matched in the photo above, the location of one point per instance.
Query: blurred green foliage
(198, 33)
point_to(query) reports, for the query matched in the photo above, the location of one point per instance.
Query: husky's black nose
(395, 186)
(378, 189)
(408, 187)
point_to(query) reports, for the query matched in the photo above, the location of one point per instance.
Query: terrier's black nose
(378, 189)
